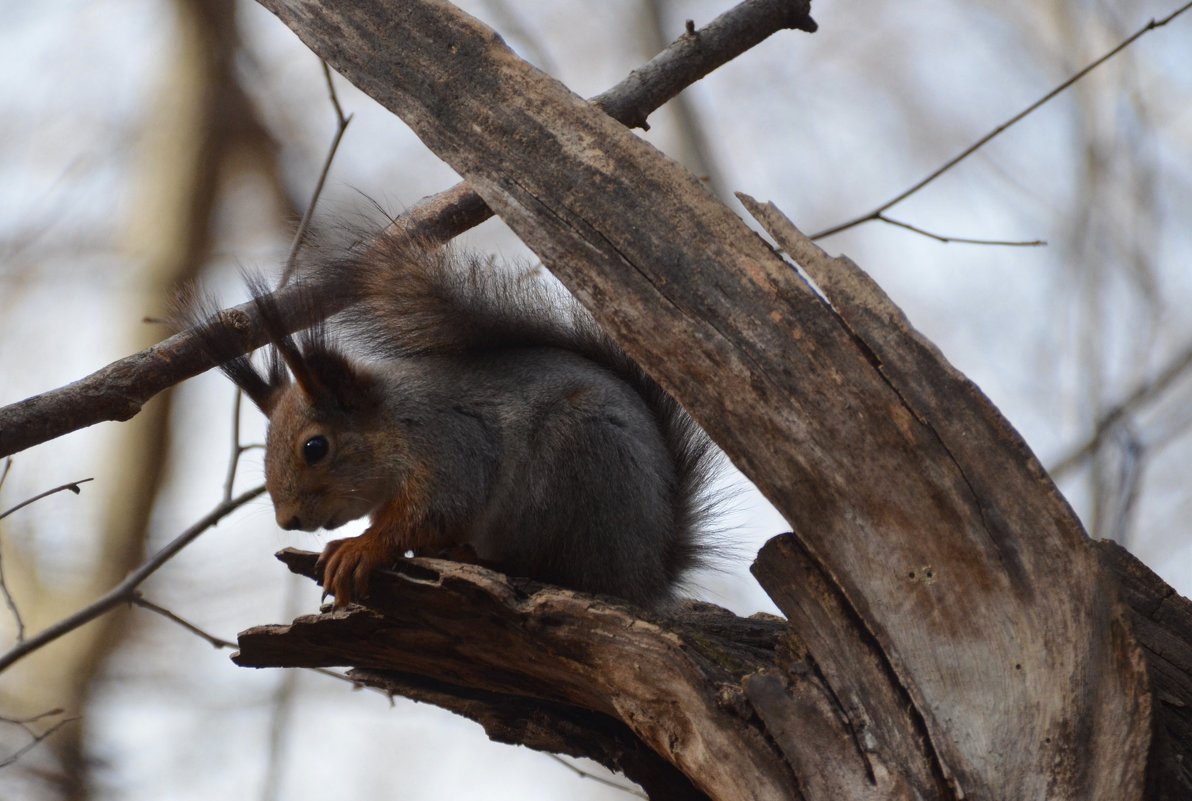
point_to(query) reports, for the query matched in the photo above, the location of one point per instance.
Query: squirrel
(477, 410)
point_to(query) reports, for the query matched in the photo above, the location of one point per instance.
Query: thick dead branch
(624, 689)
(119, 390)
(565, 673)
(940, 547)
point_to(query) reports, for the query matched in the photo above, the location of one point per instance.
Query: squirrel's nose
(293, 524)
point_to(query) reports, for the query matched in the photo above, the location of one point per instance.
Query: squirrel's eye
(315, 449)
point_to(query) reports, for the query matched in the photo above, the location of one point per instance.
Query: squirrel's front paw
(347, 565)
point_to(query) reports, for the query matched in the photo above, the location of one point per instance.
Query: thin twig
(72, 486)
(9, 601)
(218, 642)
(7, 467)
(237, 448)
(583, 774)
(36, 737)
(23, 722)
(876, 214)
(124, 592)
(694, 149)
(341, 125)
(959, 239)
(1142, 395)
(1124, 502)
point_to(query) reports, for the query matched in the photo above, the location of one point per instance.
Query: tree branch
(578, 675)
(35, 738)
(1141, 396)
(9, 601)
(417, 638)
(136, 599)
(124, 592)
(341, 127)
(1034, 243)
(73, 486)
(119, 390)
(877, 214)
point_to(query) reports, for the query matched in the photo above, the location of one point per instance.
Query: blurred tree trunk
(168, 237)
(199, 121)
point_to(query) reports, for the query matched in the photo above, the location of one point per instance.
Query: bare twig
(9, 601)
(35, 737)
(237, 448)
(958, 239)
(1130, 477)
(282, 710)
(72, 486)
(694, 150)
(876, 214)
(583, 774)
(22, 722)
(341, 126)
(124, 592)
(218, 642)
(1127, 406)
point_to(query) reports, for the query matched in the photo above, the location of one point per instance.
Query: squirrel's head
(326, 440)
(325, 444)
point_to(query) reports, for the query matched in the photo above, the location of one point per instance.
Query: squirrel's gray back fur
(478, 330)
(475, 408)
(481, 333)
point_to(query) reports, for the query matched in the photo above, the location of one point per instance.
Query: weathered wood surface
(585, 676)
(1162, 623)
(943, 559)
(518, 657)
(119, 390)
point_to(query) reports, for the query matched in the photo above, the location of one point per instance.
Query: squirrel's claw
(347, 566)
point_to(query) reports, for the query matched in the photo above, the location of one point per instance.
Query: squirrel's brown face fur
(329, 458)
(321, 466)
(325, 444)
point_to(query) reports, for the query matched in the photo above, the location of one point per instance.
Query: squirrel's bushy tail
(411, 298)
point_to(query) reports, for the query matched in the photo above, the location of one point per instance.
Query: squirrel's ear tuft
(262, 391)
(325, 374)
(337, 382)
(223, 335)
(284, 352)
